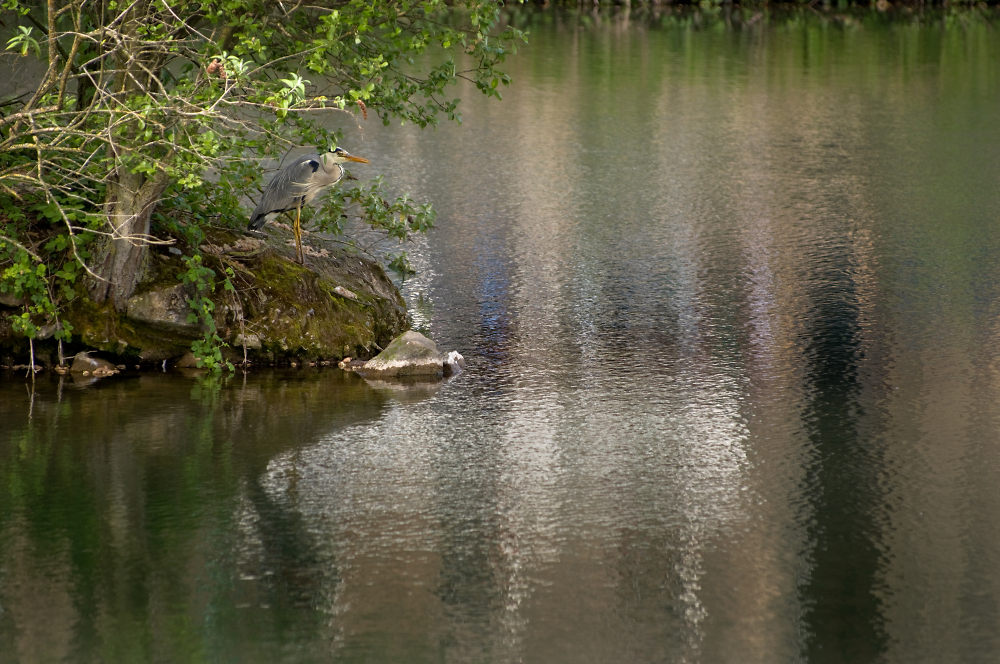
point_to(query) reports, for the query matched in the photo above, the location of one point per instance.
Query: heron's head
(339, 156)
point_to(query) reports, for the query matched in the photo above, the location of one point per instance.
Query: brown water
(729, 302)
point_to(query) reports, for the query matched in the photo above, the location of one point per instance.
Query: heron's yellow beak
(350, 157)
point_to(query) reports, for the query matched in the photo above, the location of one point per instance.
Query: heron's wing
(286, 190)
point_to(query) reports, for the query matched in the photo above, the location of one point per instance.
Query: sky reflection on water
(730, 317)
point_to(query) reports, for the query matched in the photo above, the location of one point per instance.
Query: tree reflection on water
(134, 523)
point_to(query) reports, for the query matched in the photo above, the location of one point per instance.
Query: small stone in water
(454, 363)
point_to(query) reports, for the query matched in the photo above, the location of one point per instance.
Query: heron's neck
(333, 168)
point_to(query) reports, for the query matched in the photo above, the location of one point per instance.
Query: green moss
(99, 326)
(293, 309)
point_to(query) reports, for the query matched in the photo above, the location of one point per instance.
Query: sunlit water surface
(729, 302)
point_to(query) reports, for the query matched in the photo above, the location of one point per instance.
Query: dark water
(729, 298)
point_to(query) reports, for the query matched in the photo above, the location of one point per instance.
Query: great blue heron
(300, 183)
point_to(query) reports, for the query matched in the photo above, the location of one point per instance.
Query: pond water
(729, 300)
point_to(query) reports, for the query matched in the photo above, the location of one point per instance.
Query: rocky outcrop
(164, 308)
(340, 304)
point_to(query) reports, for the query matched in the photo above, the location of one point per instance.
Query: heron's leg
(299, 255)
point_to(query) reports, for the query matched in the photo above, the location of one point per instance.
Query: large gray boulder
(410, 355)
(166, 309)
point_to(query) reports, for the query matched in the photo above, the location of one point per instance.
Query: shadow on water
(844, 621)
(133, 522)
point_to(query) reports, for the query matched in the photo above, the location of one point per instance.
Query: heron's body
(299, 184)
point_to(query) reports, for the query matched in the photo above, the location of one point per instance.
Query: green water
(728, 295)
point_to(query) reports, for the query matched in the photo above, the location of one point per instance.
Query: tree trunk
(130, 202)
(131, 197)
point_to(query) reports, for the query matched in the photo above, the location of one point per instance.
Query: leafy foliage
(24, 41)
(141, 100)
(208, 349)
(47, 280)
(395, 220)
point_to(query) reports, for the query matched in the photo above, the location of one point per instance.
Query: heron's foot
(301, 261)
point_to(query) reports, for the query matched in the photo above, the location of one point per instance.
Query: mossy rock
(410, 354)
(298, 313)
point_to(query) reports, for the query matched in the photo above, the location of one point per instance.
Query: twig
(4, 238)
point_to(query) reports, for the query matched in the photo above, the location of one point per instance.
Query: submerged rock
(413, 389)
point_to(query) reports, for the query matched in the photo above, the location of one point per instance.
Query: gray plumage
(296, 185)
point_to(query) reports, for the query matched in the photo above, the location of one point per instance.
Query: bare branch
(7, 240)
